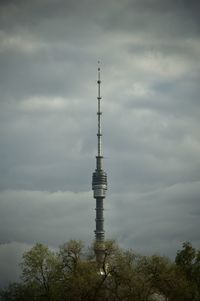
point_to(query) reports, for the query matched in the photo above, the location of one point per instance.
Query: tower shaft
(99, 185)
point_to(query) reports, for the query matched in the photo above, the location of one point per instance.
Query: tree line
(72, 274)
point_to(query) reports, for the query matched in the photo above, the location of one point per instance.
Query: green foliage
(188, 261)
(39, 270)
(71, 274)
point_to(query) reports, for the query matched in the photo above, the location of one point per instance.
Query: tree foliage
(72, 274)
(188, 261)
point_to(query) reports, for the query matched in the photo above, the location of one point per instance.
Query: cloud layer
(149, 52)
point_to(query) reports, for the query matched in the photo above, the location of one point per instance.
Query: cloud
(51, 218)
(10, 258)
(161, 219)
(149, 53)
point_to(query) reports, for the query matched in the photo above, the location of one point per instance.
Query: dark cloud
(149, 52)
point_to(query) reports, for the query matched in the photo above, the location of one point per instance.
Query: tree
(17, 292)
(70, 255)
(83, 278)
(188, 262)
(165, 279)
(186, 257)
(39, 270)
(71, 274)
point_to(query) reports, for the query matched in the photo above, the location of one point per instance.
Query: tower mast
(99, 184)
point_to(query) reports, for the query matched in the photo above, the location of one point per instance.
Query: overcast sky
(149, 52)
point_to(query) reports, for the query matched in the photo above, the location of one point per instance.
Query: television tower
(99, 185)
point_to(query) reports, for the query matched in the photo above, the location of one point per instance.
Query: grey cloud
(10, 258)
(50, 218)
(41, 74)
(37, 138)
(156, 218)
(149, 52)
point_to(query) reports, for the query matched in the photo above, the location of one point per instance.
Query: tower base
(99, 249)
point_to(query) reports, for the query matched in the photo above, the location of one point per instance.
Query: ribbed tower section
(99, 185)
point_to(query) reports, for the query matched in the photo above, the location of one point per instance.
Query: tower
(99, 184)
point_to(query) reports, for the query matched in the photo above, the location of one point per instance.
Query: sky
(149, 52)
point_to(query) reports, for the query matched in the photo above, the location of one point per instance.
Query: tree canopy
(72, 274)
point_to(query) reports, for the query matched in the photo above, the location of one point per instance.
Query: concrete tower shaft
(99, 184)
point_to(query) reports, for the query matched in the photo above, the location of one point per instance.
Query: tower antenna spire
(99, 183)
(99, 113)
